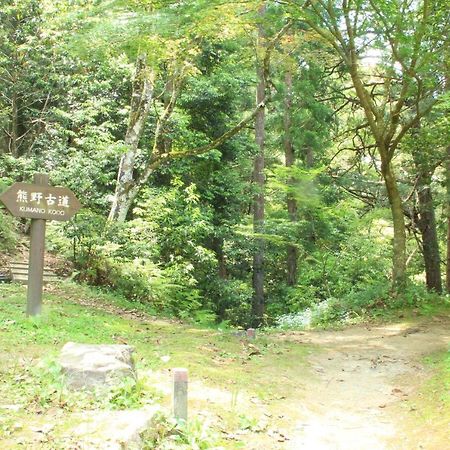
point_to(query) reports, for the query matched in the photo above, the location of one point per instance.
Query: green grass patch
(436, 393)
(428, 419)
(30, 377)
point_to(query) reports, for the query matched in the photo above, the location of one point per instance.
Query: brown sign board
(35, 201)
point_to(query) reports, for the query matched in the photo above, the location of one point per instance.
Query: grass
(238, 389)
(429, 408)
(31, 382)
(432, 403)
(438, 387)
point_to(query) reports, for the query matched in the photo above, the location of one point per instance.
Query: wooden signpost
(39, 202)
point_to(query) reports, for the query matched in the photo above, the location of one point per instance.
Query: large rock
(88, 365)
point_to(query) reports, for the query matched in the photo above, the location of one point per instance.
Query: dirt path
(351, 397)
(362, 376)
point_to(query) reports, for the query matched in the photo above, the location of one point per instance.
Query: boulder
(89, 365)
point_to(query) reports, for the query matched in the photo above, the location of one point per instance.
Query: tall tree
(178, 61)
(289, 156)
(447, 172)
(447, 183)
(26, 68)
(258, 175)
(398, 91)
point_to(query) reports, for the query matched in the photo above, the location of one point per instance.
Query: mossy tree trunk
(398, 220)
(141, 99)
(391, 105)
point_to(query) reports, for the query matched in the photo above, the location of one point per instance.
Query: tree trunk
(427, 225)
(399, 241)
(309, 157)
(447, 174)
(426, 218)
(124, 195)
(289, 156)
(129, 183)
(166, 141)
(217, 247)
(140, 103)
(14, 133)
(258, 304)
(448, 219)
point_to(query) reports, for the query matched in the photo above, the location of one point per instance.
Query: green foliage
(373, 301)
(8, 225)
(119, 257)
(168, 434)
(130, 393)
(43, 386)
(15, 169)
(28, 76)
(8, 232)
(66, 80)
(296, 182)
(439, 385)
(180, 221)
(328, 239)
(231, 301)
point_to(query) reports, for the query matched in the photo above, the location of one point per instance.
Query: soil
(356, 397)
(363, 377)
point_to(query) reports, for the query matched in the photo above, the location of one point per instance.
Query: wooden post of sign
(36, 257)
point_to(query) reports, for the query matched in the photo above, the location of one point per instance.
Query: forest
(245, 163)
(261, 259)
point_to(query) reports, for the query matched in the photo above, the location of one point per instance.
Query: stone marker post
(36, 258)
(180, 392)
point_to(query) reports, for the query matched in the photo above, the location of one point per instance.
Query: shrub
(373, 300)
(231, 301)
(8, 235)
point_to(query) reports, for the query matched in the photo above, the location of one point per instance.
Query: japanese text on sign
(38, 198)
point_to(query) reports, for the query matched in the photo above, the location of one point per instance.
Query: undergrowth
(375, 303)
(169, 434)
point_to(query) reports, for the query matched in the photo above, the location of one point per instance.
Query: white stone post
(180, 393)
